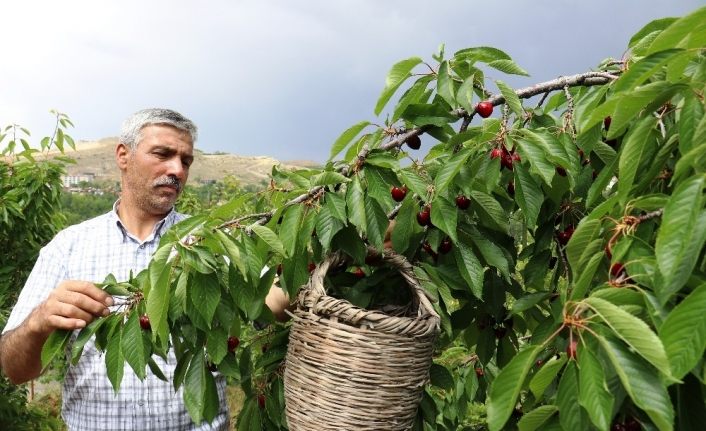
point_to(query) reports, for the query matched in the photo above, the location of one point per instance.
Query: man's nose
(177, 169)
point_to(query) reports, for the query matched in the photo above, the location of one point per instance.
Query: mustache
(169, 180)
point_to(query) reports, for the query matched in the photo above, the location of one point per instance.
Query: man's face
(155, 172)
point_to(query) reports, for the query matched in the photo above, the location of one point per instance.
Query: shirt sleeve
(48, 271)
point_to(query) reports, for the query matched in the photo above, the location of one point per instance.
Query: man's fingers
(60, 322)
(89, 289)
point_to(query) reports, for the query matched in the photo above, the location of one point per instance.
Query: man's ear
(122, 154)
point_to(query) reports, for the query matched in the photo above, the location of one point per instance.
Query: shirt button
(141, 246)
(141, 403)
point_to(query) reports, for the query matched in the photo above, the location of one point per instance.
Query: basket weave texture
(349, 368)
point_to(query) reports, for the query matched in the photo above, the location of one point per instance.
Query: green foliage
(30, 190)
(566, 289)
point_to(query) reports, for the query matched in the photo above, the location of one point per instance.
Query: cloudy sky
(280, 78)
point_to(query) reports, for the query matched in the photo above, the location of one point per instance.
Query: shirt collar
(156, 231)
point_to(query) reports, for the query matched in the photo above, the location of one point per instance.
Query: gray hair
(133, 125)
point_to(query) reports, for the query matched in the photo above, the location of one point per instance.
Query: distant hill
(98, 158)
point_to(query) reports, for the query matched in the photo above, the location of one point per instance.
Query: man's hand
(71, 305)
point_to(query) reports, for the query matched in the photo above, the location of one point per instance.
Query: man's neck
(136, 221)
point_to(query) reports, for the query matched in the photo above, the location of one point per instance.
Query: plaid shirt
(89, 251)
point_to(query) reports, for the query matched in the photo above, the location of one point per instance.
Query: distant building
(74, 180)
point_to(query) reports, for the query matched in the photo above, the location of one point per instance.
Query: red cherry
(497, 152)
(424, 216)
(145, 322)
(261, 401)
(516, 157)
(462, 202)
(414, 142)
(539, 362)
(606, 122)
(279, 269)
(500, 332)
(427, 247)
(616, 269)
(565, 235)
(561, 171)
(511, 188)
(359, 272)
(506, 161)
(571, 349)
(398, 193)
(233, 343)
(445, 245)
(312, 266)
(484, 109)
(479, 372)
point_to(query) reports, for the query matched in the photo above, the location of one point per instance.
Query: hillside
(97, 157)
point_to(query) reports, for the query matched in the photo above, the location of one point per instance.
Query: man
(154, 153)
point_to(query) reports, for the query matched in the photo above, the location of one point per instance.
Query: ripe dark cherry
(616, 269)
(445, 245)
(511, 188)
(414, 142)
(311, 267)
(479, 372)
(497, 152)
(145, 322)
(484, 109)
(398, 193)
(261, 401)
(424, 216)
(359, 272)
(606, 122)
(462, 202)
(233, 343)
(561, 171)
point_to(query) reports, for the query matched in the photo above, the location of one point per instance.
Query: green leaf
(337, 205)
(133, 346)
(444, 216)
(346, 137)
(594, 394)
(533, 420)
(490, 211)
(441, 377)
(690, 118)
(505, 389)
(533, 149)
(684, 333)
(638, 145)
(355, 201)
(397, 75)
(212, 405)
(270, 238)
(511, 99)
(217, 344)
(686, 32)
(633, 331)
(486, 54)
(470, 268)
(423, 114)
(638, 379)
(159, 294)
(415, 183)
(450, 169)
(415, 94)
(326, 227)
(571, 415)
(578, 251)
(508, 66)
(445, 85)
(156, 370)
(377, 222)
(528, 194)
(544, 377)
(114, 359)
(464, 96)
(55, 344)
(291, 224)
(643, 69)
(528, 301)
(681, 236)
(205, 293)
(327, 178)
(195, 388)
(83, 336)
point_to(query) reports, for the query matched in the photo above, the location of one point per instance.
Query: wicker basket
(348, 368)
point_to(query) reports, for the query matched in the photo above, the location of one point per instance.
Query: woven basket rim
(314, 299)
